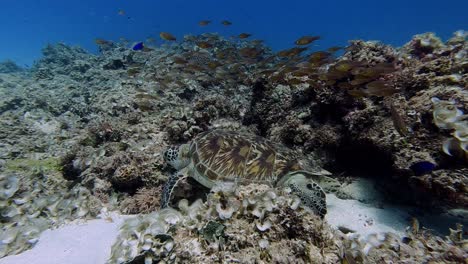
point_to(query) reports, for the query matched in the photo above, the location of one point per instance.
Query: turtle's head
(177, 156)
(310, 193)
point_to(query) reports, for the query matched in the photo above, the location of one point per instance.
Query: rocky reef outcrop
(90, 130)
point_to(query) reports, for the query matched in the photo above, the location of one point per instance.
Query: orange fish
(380, 88)
(99, 41)
(244, 35)
(375, 88)
(204, 45)
(250, 52)
(204, 22)
(306, 40)
(291, 52)
(179, 60)
(319, 56)
(334, 49)
(167, 36)
(226, 23)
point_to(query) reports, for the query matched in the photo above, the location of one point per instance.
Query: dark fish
(422, 167)
(204, 45)
(204, 22)
(99, 41)
(359, 81)
(138, 46)
(257, 42)
(344, 65)
(291, 52)
(226, 23)
(380, 88)
(334, 74)
(250, 52)
(179, 60)
(213, 64)
(357, 93)
(167, 36)
(319, 56)
(103, 44)
(334, 49)
(244, 35)
(306, 40)
(300, 73)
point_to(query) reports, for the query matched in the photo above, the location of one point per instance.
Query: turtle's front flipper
(169, 187)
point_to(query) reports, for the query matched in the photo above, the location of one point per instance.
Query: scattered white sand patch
(364, 219)
(76, 243)
(363, 190)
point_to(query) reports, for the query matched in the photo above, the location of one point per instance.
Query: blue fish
(422, 167)
(138, 46)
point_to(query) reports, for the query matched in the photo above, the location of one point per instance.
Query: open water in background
(28, 25)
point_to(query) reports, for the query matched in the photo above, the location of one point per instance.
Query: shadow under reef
(367, 175)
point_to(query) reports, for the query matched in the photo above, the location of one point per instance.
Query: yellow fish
(167, 36)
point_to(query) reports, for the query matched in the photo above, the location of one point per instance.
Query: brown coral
(144, 201)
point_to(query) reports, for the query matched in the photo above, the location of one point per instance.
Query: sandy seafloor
(90, 241)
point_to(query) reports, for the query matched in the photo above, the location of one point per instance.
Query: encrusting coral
(31, 203)
(448, 117)
(254, 217)
(260, 224)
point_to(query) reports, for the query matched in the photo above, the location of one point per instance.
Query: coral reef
(259, 224)
(78, 130)
(9, 66)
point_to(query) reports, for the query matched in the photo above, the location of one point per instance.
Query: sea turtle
(220, 155)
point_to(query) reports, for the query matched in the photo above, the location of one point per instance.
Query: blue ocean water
(28, 25)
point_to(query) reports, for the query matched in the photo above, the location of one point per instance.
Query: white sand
(365, 219)
(76, 243)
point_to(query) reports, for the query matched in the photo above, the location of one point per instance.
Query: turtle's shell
(220, 155)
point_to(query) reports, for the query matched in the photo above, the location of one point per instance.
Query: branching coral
(146, 200)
